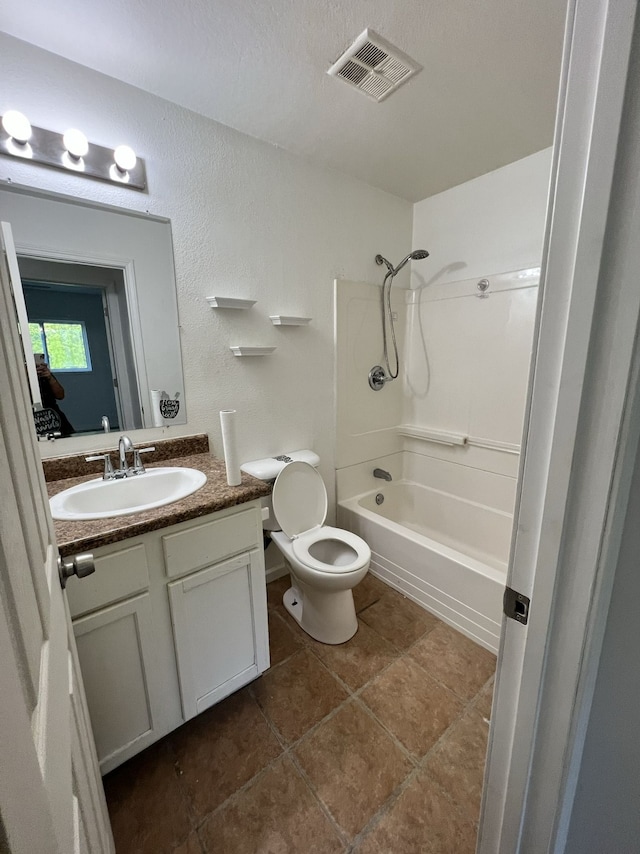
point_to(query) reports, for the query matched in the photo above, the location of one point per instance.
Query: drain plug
(379, 498)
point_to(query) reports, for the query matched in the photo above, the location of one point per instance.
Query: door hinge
(516, 605)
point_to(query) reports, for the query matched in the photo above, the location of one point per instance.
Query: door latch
(516, 605)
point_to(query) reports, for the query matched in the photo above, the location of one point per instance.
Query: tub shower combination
(448, 431)
(445, 552)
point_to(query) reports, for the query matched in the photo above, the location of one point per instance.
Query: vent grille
(394, 70)
(374, 66)
(370, 54)
(376, 86)
(353, 72)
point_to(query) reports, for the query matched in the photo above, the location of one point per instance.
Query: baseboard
(275, 572)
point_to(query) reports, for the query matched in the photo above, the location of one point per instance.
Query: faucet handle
(108, 473)
(137, 463)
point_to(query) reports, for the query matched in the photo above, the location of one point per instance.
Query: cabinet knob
(80, 565)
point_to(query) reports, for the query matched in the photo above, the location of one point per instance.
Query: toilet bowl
(325, 563)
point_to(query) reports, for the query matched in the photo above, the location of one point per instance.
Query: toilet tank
(268, 470)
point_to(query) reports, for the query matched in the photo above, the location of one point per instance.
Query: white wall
(249, 220)
(493, 224)
(464, 361)
(467, 359)
(366, 420)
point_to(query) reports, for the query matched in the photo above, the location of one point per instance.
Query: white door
(580, 439)
(51, 795)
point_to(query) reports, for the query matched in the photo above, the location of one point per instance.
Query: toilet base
(327, 617)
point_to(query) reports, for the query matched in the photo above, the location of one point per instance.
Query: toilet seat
(299, 499)
(302, 544)
(300, 506)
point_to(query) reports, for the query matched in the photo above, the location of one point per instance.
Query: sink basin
(97, 499)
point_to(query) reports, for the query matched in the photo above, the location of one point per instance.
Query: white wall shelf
(252, 351)
(230, 302)
(288, 320)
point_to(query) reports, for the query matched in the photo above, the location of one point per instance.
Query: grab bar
(443, 437)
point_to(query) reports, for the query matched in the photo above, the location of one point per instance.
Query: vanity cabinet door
(219, 620)
(116, 652)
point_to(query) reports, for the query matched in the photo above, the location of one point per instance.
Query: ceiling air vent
(374, 66)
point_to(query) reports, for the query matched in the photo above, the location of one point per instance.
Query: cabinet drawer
(118, 575)
(204, 545)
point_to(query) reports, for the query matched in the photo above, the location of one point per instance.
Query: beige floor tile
(220, 750)
(277, 607)
(359, 659)
(454, 660)
(368, 591)
(282, 641)
(297, 694)
(147, 809)
(353, 765)
(398, 619)
(412, 706)
(421, 821)
(276, 589)
(458, 762)
(276, 814)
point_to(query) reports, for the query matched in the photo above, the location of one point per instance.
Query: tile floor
(375, 746)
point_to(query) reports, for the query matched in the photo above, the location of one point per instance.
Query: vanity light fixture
(17, 126)
(70, 151)
(124, 161)
(76, 143)
(125, 158)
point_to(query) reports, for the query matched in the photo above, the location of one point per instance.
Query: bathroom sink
(97, 499)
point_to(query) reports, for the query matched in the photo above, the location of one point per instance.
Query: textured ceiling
(485, 97)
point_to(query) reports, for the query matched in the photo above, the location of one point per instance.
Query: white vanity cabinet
(218, 647)
(170, 623)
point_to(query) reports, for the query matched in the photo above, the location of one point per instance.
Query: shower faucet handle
(378, 378)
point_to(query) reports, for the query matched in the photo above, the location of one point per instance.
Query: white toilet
(325, 563)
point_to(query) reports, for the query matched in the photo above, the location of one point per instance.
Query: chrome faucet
(382, 474)
(105, 424)
(124, 446)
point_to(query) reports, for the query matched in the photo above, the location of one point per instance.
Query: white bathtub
(443, 551)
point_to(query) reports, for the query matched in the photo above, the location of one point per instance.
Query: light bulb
(17, 125)
(75, 142)
(125, 158)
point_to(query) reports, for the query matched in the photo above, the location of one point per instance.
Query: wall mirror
(98, 287)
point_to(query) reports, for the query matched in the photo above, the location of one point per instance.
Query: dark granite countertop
(216, 494)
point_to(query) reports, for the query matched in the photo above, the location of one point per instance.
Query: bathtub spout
(382, 474)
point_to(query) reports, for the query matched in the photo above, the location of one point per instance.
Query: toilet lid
(299, 499)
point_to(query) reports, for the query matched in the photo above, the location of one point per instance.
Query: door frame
(580, 439)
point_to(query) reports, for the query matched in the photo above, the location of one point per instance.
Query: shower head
(416, 255)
